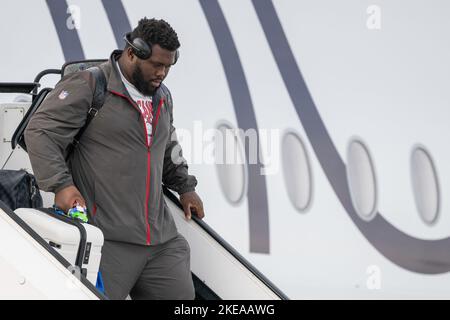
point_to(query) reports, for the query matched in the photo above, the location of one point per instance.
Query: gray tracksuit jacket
(118, 172)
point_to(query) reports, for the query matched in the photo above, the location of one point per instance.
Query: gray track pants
(160, 272)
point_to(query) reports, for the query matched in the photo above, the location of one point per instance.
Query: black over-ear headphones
(141, 49)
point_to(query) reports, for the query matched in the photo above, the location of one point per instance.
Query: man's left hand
(192, 203)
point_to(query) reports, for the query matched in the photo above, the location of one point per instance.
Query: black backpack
(18, 189)
(97, 103)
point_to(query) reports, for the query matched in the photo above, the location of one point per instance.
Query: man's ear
(130, 54)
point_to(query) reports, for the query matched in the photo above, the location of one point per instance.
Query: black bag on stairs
(18, 189)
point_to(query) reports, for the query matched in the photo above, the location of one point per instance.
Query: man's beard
(144, 87)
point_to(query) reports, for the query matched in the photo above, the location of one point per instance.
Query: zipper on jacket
(147, 190)
(149, 157)
(149, 144)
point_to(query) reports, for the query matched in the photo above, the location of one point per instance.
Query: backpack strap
(97, 103)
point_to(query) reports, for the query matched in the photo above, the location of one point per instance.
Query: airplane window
(361, 180)
(297, 171)
(230, 163)
(425, 185)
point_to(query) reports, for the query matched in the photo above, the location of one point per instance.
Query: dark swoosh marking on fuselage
(246, 119)
(69, 39)
(118, 20)
(423, 256)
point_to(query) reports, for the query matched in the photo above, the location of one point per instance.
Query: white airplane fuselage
(346, 196)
